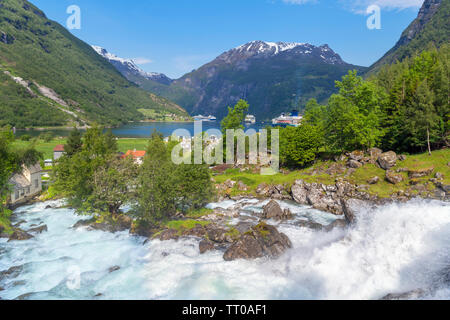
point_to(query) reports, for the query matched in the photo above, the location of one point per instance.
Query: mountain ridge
(306, 70)
(430, 27)
(44, 54)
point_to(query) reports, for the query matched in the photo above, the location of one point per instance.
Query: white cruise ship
(250, 119)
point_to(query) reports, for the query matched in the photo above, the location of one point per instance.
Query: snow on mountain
(128, 67)
(271, 49)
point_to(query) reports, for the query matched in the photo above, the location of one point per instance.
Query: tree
(165, 188)
(156, 192)
(113, 186)
(235, 117)
(74, 176)
(299, 146)
(422, 118)
(353, 115)
(74, 142)
(194, 186)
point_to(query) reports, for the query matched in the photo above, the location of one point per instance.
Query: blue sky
(177, 36)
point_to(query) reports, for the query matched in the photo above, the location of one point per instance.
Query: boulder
(356, 155)
(261, 241)
(439, 176)
(375, 153)
(410, 295)
(387, 160)
(20, 235)
(242, 186)
(117, 223)
(230, 183)
(351, 207)
(263, 189)
(272, 210)
(168, 234)
(205, 246)
(374, 180)
(39, 229)
(419, 173)
(113, 269)
(299, 192)
(219, 235)
(12, 272)
(337, 224)
(393, 178)
(354, 164)
(309, 225)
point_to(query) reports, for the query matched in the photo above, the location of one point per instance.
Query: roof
(19, 180)
(59, 148)
(34, 168)
(135, 154)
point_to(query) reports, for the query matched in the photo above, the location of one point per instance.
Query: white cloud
(360, 6)
(142, 60)
(298, 1)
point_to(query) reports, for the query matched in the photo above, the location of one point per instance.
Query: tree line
(96, 180)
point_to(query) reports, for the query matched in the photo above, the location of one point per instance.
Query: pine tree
(74, 142)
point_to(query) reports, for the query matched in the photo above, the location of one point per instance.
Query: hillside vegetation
(43, 53)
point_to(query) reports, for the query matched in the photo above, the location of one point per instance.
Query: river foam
(392, 249)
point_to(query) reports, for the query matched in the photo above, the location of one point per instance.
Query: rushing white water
(393, 249)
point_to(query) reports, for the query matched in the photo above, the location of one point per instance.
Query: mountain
(273, 77)
(129, 68)
(48, 77)
(430, 27)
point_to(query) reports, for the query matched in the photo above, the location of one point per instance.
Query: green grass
(438, 160)
(5, 223)
(198, 213)
(181, 225)
(46, 148)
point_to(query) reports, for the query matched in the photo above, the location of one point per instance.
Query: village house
(25, 185)
(58, 152)
(137, 155)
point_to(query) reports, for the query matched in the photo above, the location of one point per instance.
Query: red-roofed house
(58, 151)
(137, 155)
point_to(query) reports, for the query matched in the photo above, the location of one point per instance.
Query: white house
(26, 184)
(58, 152)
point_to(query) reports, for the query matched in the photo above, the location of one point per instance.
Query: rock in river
(20, 235)
(272, 210)
(260, 241)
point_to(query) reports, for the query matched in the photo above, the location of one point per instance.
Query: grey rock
(261, 241)
(387, 160)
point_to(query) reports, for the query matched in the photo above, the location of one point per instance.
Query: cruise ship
(203, 118)
(293, 119)
(250, 119)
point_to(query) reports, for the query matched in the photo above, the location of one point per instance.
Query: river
(393, 249)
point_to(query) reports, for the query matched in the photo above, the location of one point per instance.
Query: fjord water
(145, 129)
(393, 249)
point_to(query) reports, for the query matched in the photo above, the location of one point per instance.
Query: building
(137, 155)
(58, 152)
(26, 184)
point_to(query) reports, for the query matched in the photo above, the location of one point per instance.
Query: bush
(25, 137)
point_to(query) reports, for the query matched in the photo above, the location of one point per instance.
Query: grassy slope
(436, 32)
(44, 51)
(438, 160)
